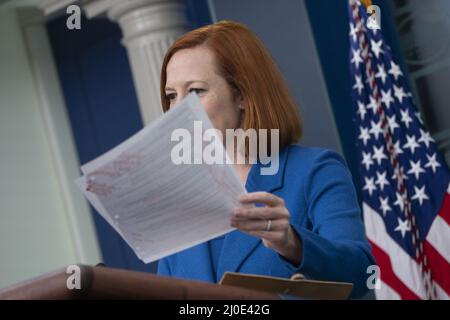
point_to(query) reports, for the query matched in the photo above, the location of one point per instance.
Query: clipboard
(297, 285)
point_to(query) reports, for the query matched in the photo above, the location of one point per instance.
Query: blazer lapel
(238, 246)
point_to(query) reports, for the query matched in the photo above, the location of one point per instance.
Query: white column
(75, 216)
(149, 27)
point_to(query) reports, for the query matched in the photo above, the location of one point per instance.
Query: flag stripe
(437, 249)
(441, 294)
(405, 268)
(388, 276)
(444, 213)
(439, 238)
(438, 265)
(386, 292)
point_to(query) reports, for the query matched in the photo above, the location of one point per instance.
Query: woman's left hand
(270, 223)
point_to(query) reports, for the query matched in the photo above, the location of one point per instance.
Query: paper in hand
(158, 207)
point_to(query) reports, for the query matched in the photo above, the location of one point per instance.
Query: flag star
(406, 119)
(399, 93)
(381, 180)
(395, 70)
(384, 205)
(403, 226)
(369, 186)
(400, 201)
(419, 117)
(364, 135)
(397, 148)
(376, 129)
(432, 162)
(416, 168)
(381, 73)
(361, 110)
(425, 137)
(420, 195)
(401, 174)
(373, 105)
(353, 32)
(376, 47)
(392, 121)
(356, 59)
(370, 78)
(386, 98)
(411, 144)
(358, 85)
(378, 154)
(367, 160)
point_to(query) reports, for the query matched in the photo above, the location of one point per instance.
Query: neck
(242, 170)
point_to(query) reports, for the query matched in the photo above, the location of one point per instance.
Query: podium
(107, 283)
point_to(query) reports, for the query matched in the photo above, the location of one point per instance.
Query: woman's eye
(170, 96)
(196, 90)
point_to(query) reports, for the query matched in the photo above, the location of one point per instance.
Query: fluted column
(149, 27)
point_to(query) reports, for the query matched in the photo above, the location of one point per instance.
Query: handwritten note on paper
(159, 207)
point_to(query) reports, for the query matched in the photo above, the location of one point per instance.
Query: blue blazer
(319, 194)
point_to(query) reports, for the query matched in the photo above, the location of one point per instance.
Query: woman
(307, 219)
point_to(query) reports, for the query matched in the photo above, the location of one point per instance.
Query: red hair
(248, 68)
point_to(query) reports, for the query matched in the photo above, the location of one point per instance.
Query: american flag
(404, 179)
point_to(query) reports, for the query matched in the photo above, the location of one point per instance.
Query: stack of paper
(158, 207)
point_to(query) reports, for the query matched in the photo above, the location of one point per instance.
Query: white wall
(38, 232)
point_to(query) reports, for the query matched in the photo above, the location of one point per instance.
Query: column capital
(149, 27)
(139, 18)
